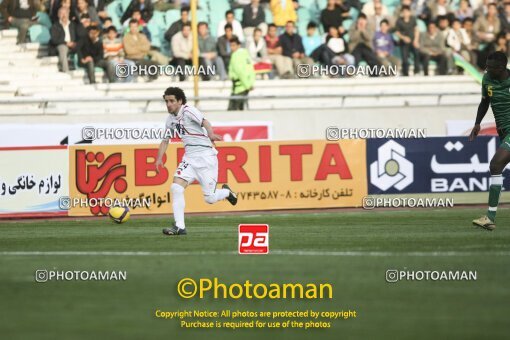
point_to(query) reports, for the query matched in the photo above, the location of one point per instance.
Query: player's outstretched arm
(162, 149)
(483, 107)
(210, 132)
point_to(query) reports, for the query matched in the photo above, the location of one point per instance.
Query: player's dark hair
(405, 7)
(257, 30)
(362, 16)
(202, 23)
(186, 24)
(108, 18)
(133, 21)
(227, 26)
(177, 92)
(185, 9)
(384, 21)
(229, 12)
(498, 57)
(270, 25)
(92, 28)
(111, 28)
(291, 22)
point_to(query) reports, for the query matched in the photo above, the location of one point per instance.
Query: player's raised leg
(498, 163)
(207, 174)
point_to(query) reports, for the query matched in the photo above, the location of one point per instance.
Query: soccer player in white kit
(200, 161)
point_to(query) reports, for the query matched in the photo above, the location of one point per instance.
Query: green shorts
(504, 137)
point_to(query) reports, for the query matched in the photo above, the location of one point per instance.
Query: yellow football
(119, 214)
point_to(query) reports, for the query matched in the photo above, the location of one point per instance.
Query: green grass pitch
(350, 250)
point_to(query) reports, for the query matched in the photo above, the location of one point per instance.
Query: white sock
(218, 195)
(178, 204)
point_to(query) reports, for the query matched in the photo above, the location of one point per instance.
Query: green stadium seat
(155, 32)
(269, 16)
(158, 18)
(421, 25)
(39, 33)
(172, 16)
(238, 13)
(114, 11)
(124, 4)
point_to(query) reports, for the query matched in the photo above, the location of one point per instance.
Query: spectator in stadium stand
(502, 44)
(384, 45)
(467, 26)
(63, 39)
(182, 49)
(237, 29)
(20, 14)
(406, 29)
(99, 6)
(398, 10)
(82, 28)
(84, 8)
(165, 5)
(52, 7)
(336, 46)
(486, 28)
(374, 21)
(241, 72)
(480, 7)
(283, 64)
(504, 18)
(292, 46)
(361, 42)
(444, 28)
(464, 11)
(137, 47)
(458, 40)
(254, 17)
(223, 45)
(208, 51)
(177, 25)
(334, 14)
(91, 55)
(369, 8)
(107, 23)
(114, 52)
(145, 7)
(311, 41)
(142, 25)
(432, 48)
(256, 46)
(283, 11)
(439, 8)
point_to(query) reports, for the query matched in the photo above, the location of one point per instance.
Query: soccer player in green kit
(496, 92)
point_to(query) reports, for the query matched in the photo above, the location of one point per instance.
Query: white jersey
(188, 124)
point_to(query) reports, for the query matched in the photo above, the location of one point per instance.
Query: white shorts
(203, 168)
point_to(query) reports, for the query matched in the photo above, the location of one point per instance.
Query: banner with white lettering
(429, 165)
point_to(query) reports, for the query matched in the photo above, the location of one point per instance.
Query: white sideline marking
(273, 252)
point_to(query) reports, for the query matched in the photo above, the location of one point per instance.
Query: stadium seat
(238, 13)
(43, 19)
(155, 32)
(158, 19)
(115, 12)
(124, 4)
(39, 33)
(269, 16)
(421, 25)
(172, 16)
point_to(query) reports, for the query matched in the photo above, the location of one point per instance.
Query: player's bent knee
(176, 188)
(496, 168)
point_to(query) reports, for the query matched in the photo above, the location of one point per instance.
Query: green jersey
(499, 94)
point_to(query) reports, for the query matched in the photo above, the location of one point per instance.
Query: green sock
(494, 193)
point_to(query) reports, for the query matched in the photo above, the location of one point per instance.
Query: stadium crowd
(342, 32)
